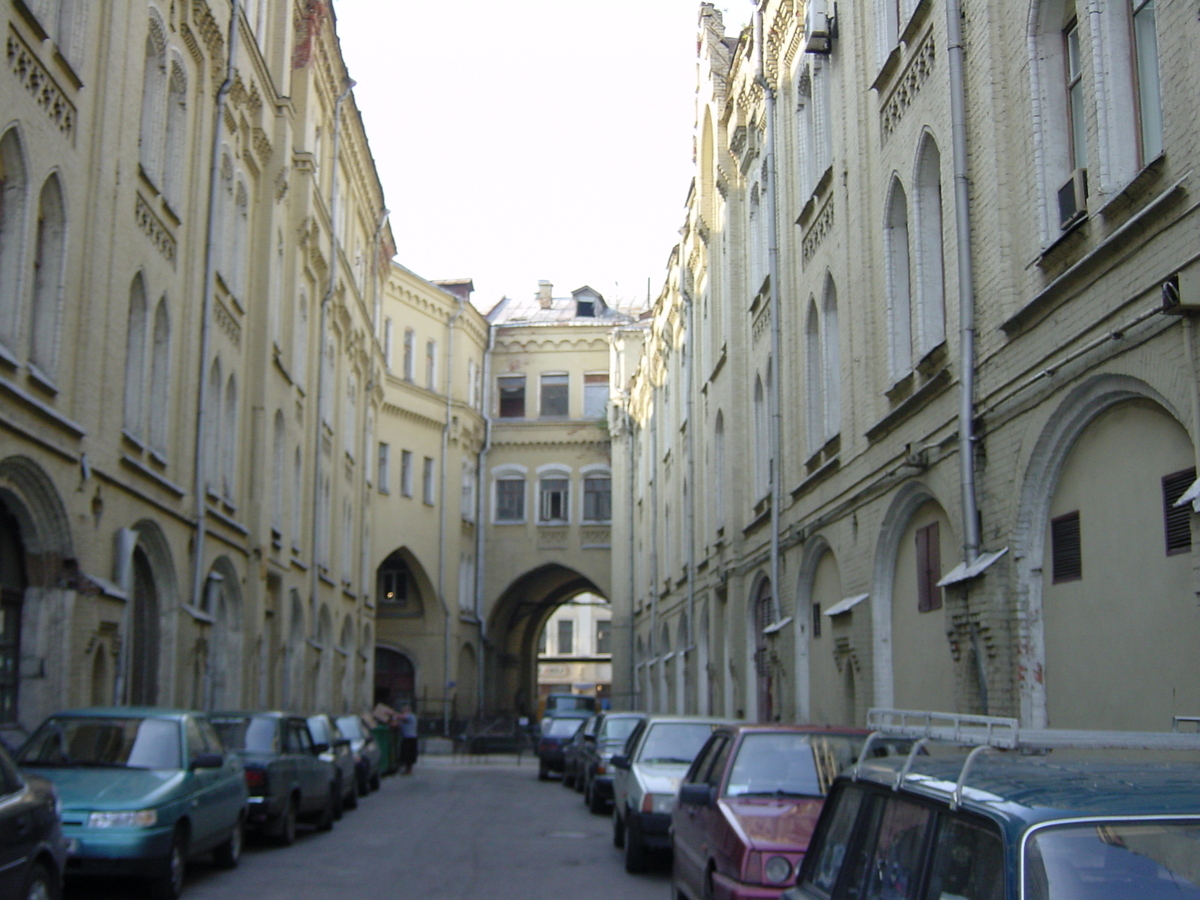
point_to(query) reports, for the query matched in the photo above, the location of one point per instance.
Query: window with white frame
(135, 360)
(814, 380)
(406, 473)
(761, 441)
(566, 637)
(472, 387)
(427, 482)
(385, 468)
(553, 494)
(719, 470)
(510, 498)
(468, 492)
(388, 342)
(597, 498)
(410, 350)
(831, 360)
(595, 395)
(279, 444)
(930, 268)
(12, 227)
(49, 263)
(511, 396)
(431, 365)
(555, 397)
(899, 308)
(1149, 90)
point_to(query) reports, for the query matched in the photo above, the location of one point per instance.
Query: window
(511, 389)
(135, 360)
(431, 365)
(816, 620)
(427, 482)
(468, 492)
(1177, 519)
(553, 500)
(154, 101)
(300, 340)
(899, 307)
(410, 362)
(1066, 548)
(277, 473)
(1076, 122)
(929, 568)
(554, 401)
(1145, 51)
(160, 380)
(510, 499)
(604, 636)
(12, 224)
(542, 642)
(388, 341)
(472, 386)
(49, 258)
(814, 380)
(930, 276)
(597, 498)
(385, 455)
(969, 861)
(893, 864)
(566, 637)
(406, 473)
(595, 395)
(394, 583)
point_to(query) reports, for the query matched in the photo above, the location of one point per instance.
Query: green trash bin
(387, 751)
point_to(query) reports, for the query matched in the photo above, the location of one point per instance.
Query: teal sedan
(141, 791)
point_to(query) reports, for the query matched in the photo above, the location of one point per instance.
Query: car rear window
(562, 727)
(129, 743)
(617, 729)
(1147, 860)
(674, 742)
(257, 734)
(789, 764)
(351, 728)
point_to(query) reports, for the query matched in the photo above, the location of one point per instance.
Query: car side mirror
(620, 762)
(695, 794)
(207, 761)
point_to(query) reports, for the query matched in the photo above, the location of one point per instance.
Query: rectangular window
(595, 395)
(511, 389)
(431, 365)
(410, 359)
(510, 500)
(597, 498)
(566, 637)
(1066, 548)
(929, 568)
(468, 493)
(604, 636)
(388, 340)
(385, 455)
(555, 398)
(1177, 520)
(1075, 106)
(553, 506)
(816, 620)
(1145, 49)
(893, 865)
(406, 473)
(427, 482)
(472, 398)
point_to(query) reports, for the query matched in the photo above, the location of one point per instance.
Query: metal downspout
(652, 676)
(690, 465)
(966, 295)
(445, 451)
(200, 487)
(481, 505)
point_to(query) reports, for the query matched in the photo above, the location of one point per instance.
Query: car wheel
(330, 813)
(543, 772)
(286, 829)
(229, 854)
(618, 830)
(41, 885)
(169, 885)
(635, 851)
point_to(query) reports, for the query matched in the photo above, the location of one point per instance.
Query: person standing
(408, 739)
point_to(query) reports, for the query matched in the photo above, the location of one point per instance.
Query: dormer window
(585, 308)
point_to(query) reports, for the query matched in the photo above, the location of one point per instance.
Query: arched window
(154, 100)
(12, 218)
(807, 140)
(300, 340)
(831, 365)
(297, 499)
(347, 553)
(761, 441)
(135, 360)
(49, 264)
(160, 380)
(719, 469)
(230, 433)
(899, 306)
(930, 276)
(240, 250)
(212, 426)
(222, 224)
(175, 160)
(277, 472)
(814, 381)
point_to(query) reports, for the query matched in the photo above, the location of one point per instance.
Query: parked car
(142, 791)
(33, 853)
(560, 704)
(646, 778)
(1062, 824)
(612, 732)
(286, 777)
(368, 758)
(335, 749)
(556, 733)
(748, 804)
(573, 753)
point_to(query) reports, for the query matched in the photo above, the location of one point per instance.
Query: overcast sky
(531, 139)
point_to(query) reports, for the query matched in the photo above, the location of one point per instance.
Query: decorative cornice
(821, 227)
(907, 88)
(28, 69)
(152, 226)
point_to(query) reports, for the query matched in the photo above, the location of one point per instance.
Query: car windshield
(351, 728)
(617, 729)
(1114, 860)
(674, 742)
(562, 727)
(257, 734)
(128, 743)
(786, 764)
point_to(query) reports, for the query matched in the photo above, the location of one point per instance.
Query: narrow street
(452, 830)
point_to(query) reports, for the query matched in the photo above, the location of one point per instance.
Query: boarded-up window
(929, 568)
(1177, 519)
(1066, 548)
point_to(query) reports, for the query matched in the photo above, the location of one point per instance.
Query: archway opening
(574, 654)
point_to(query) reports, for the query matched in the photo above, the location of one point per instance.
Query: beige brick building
(910, 427)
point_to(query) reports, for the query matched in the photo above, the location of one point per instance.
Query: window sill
(42, 381)
(198, 614)
(888, 69)
(815, 199)
(918, 400)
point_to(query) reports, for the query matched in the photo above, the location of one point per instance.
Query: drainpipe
(318, 525)
(966, 295)
(481, 504)
(200, 486)
(652, 673)
(689, 309)
(776, 338)
(445, 451)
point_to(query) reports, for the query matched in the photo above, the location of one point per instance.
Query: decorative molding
(262, 146)
(40, 84)
(153, 227)
(210, 33)
(914, 77)
(228, 323)
(815, 236)
(552, 537)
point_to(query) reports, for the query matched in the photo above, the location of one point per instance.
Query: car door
(692, 822)
(204, 803)
(313, 774)
(230, 783)
(18, 831)
(622, 777)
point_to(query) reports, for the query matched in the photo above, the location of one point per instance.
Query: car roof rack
(992, 733)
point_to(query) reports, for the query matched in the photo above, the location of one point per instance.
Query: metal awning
(844, 606)
(967, 571)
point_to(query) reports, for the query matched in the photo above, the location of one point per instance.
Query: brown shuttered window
(1066, 548)
(929, 568)
(1177, 519)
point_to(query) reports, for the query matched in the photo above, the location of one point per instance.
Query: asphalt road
(452, 830)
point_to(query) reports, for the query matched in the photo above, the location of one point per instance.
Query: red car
(747, 807)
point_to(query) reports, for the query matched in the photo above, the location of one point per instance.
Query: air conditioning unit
(1072, 199)
(1181, 292)
(818, 26)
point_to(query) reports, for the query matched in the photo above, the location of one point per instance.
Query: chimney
(545, 294)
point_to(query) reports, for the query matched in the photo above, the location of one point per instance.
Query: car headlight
(142, 818)
(776, 870)
(658, 803)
